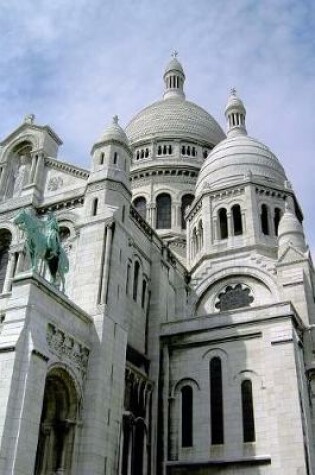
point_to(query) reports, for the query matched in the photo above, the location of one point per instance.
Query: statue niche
(19, 168)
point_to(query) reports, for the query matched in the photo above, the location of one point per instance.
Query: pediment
(291, 255)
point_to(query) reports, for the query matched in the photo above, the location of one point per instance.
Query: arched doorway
(57, 426)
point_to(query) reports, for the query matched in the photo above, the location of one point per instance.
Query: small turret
(111, 155)
(290, 232)
(235, 114)
(174, 79)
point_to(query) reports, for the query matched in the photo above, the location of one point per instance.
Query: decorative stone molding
(72, 203)
(272, 193)
(65, 167)
(67, 347)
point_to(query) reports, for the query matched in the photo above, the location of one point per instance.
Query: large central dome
(174, 117)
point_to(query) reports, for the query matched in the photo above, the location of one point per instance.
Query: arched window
(5, 242)
(223, 223)
(135, 280)
(163, 211)
(54, 452)
(64, 233)
(188, 150)
(128, 277)
(237, 220)
(276, 219)
(138, 154)
(164, 150)
(144, 289)
(248, 411)
(115, 158)
(170, 149)
(187, 416)
(146, 153)
(216, 401)
(142, 153)
(102, 158)
(94, 207)
(159, 150)
(183, 150)
(186, 201)
(205, 153)
(264, 217)
(140, 204)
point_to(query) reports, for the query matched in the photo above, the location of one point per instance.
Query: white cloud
(75, 64)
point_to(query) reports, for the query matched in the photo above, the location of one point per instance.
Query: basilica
(179, 336)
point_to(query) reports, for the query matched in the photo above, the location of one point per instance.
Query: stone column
(10, 272)
(230, 225)
(153, 215)
(33, 167)
(38, 168)
(20, 261)
(243, 221)
(216, 231)
(108, 250)
(3, 178)
(174, 215)
(166, 365)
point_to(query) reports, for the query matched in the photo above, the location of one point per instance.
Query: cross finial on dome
(233, 92)
(174, 54)
(115, 119)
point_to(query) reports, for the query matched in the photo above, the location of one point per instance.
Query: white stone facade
(184, 341)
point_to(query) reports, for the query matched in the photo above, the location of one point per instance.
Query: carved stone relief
(66, 347)
(55, 183)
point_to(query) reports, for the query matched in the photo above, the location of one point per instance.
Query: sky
(76, 64)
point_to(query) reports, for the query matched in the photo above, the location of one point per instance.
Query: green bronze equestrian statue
(43, 244)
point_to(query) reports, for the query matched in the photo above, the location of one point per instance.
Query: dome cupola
(174, 79)
(114, 133)
(238, 156)
(235, 114)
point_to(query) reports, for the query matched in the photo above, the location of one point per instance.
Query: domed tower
(170, 140)
(111, 157)
(241, 193)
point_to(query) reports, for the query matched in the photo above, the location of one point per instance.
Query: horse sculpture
(43, 244)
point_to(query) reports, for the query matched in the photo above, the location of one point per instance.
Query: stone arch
(60, 411)
(33, 140)
(184, 382)
(242, 273)
(18, 167)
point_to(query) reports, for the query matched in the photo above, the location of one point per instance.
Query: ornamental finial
(233, 92)
(115, 119)
(29, 119)
(174, 54)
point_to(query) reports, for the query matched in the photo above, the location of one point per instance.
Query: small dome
(114, 132)
(290, 230)
(234, 102)
(174, 118)
(236, 157)
(174, 65)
